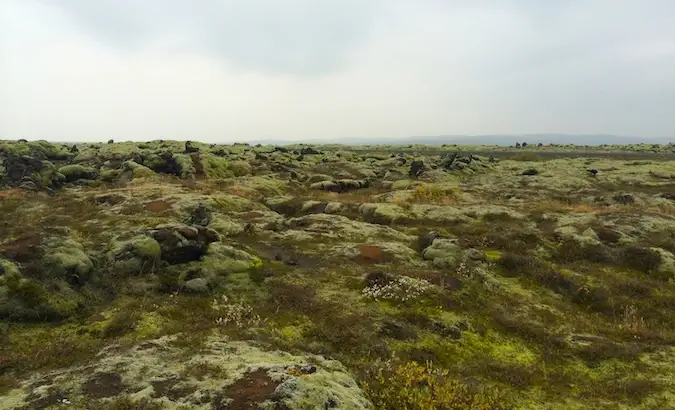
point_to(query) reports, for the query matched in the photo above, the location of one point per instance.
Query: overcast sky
(227, 70)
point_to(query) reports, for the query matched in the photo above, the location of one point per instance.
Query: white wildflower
(401, 289)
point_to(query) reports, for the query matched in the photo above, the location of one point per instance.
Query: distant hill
(495, 139)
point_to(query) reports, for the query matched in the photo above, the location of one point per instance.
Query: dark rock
(182, 244)
(197, 285)
(111, 141)
(310, 369)
(379, 278)
(425, 241)
(28, 186)
(451, 283)
(166, 165)
(624, 199)
(530, 172)
(189, 148)
(201, 216)
(396, 330)
(452, 332)
(416, 168)
(110, 198)
(668, 195)
(309, 151)
(592, 171)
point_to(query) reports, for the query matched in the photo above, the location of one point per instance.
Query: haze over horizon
(230, 71)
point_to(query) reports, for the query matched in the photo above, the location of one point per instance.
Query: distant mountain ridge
(493, 139)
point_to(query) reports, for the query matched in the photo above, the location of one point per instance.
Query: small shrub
(291, 296)
(346, 330)
(632, 321)
(379, 278)
(515, 263)
(422, 387)
(121, 323)
(640, 258)
(608, 235)
(570, 250)
(526, 157)
(430, 193)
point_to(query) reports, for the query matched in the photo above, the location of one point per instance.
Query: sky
(225, 70)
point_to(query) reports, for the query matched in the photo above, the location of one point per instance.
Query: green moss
(65, 303)
(149, 325)
(187, 168)
(133, 256)
(216, 167)
(401, 184)
(38, 149)
(240, 168)
(68, 257)
(146, 247)
(74, 172)
(231, 203)
(138, 170)
(225, 225)
(8, 269)
(109, 175)
(493, 255)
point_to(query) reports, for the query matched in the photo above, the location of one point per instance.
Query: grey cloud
(327, 68)
(302, 37)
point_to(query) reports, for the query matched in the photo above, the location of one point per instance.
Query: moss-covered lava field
(174, 275)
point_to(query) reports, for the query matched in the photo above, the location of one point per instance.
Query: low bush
(412, 386)
(640, 258)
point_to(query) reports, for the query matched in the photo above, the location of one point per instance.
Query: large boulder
(29, 299)
(183, 243)
(69, 261)
(23, 169)
(134, 255)
(444, 253)
(157, 374)
(75, 172)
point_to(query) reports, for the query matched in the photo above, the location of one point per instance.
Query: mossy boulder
(401, 184)
(222, 259)
(136, 170)
(319, 227)
(319, 178)
(225, 225)
(68, 260)
(7, 270)
(666, 268)
(216, 167)
(221, 374)
(27, 299)
(133, 256)
(186, 164)
(183, 243)
(334, 207)
(74, 172)
(384, 214)
(444, 253)
(241, 168)
(330, 186)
